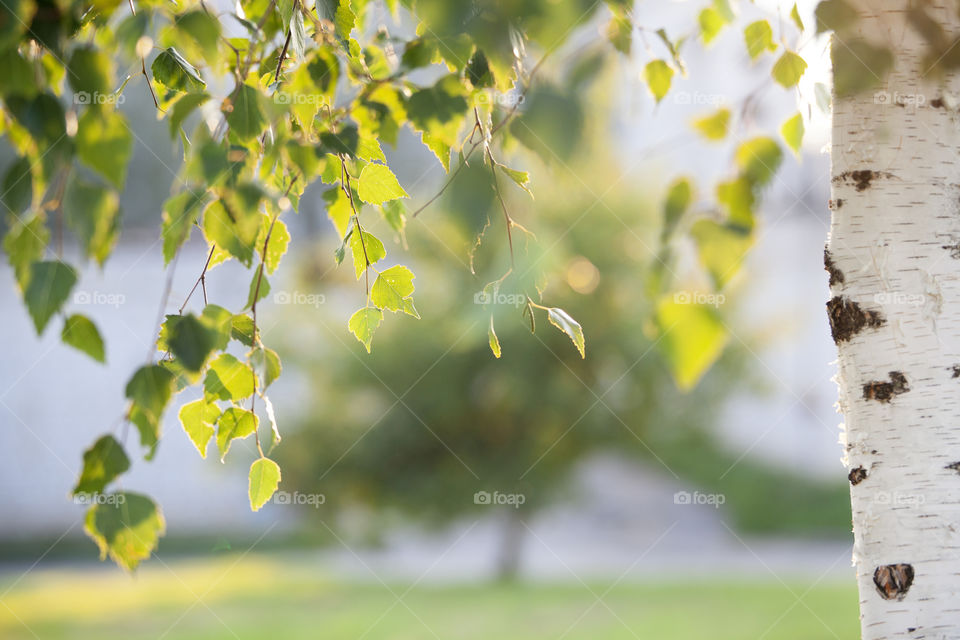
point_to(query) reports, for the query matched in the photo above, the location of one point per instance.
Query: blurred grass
(265, 597)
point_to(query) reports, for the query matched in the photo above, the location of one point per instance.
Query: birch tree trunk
(894, 262)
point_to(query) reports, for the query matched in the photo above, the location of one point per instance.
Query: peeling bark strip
(836, 276)
(857, 475)
(861, 178)
(884, 391)
(893, 580)
(847, 319)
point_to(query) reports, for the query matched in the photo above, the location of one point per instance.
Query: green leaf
(658, 75)
(245, 112)
(759, 38)
(259, 289)
(738, 199)
(722, 249)
(858, 66)
(792, 132)
(367, 250)
(79, 332)
(279, 241)
(229, 379)
(231, 229)
(93, 212)
(104, 143)
(180, 212)
(391, 287)
(242, 329)
(521, 178)
(48, 288)
(150, 389)
(437, 112)
(364, 323)
(493, 340)
(835, 15)
(379, 185)
(127, 526)
(562, 320)
(678, 200)
(788, 69)
(759, 159)
(197, 419)
(690, 337)
(795, 16)
(264, 480)
(171, 71)
(24, 244)
(266, 363)
(90, 72)
(715, 126)
(234, 423)
(711, 21)
(191, 341)
(102, 462)
(17, 187)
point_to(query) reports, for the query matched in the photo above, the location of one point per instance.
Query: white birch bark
(894, 260)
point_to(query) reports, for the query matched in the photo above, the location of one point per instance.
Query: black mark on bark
(861, 178)
(836, 276)
(954, 250)
(893, 580)
(956, 371)
(884, 391)
(953, 467)
(847, 319)
(857, 475)
(833, 205)
(937, 103)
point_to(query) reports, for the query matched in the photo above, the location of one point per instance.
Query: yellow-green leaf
(392, 286)
(658, 75)
(234, 423)
(792, 132)
(494, 341)
(198, 418)
(126, 526)
(562, 320)
(80, 332)
(759, 38)
(378, 185)
(264, 480)
(364, 323)
(367, 250)
(788, 69)
(690, 338)
(715, 126)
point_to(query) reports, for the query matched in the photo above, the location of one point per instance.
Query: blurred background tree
(435, 417)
